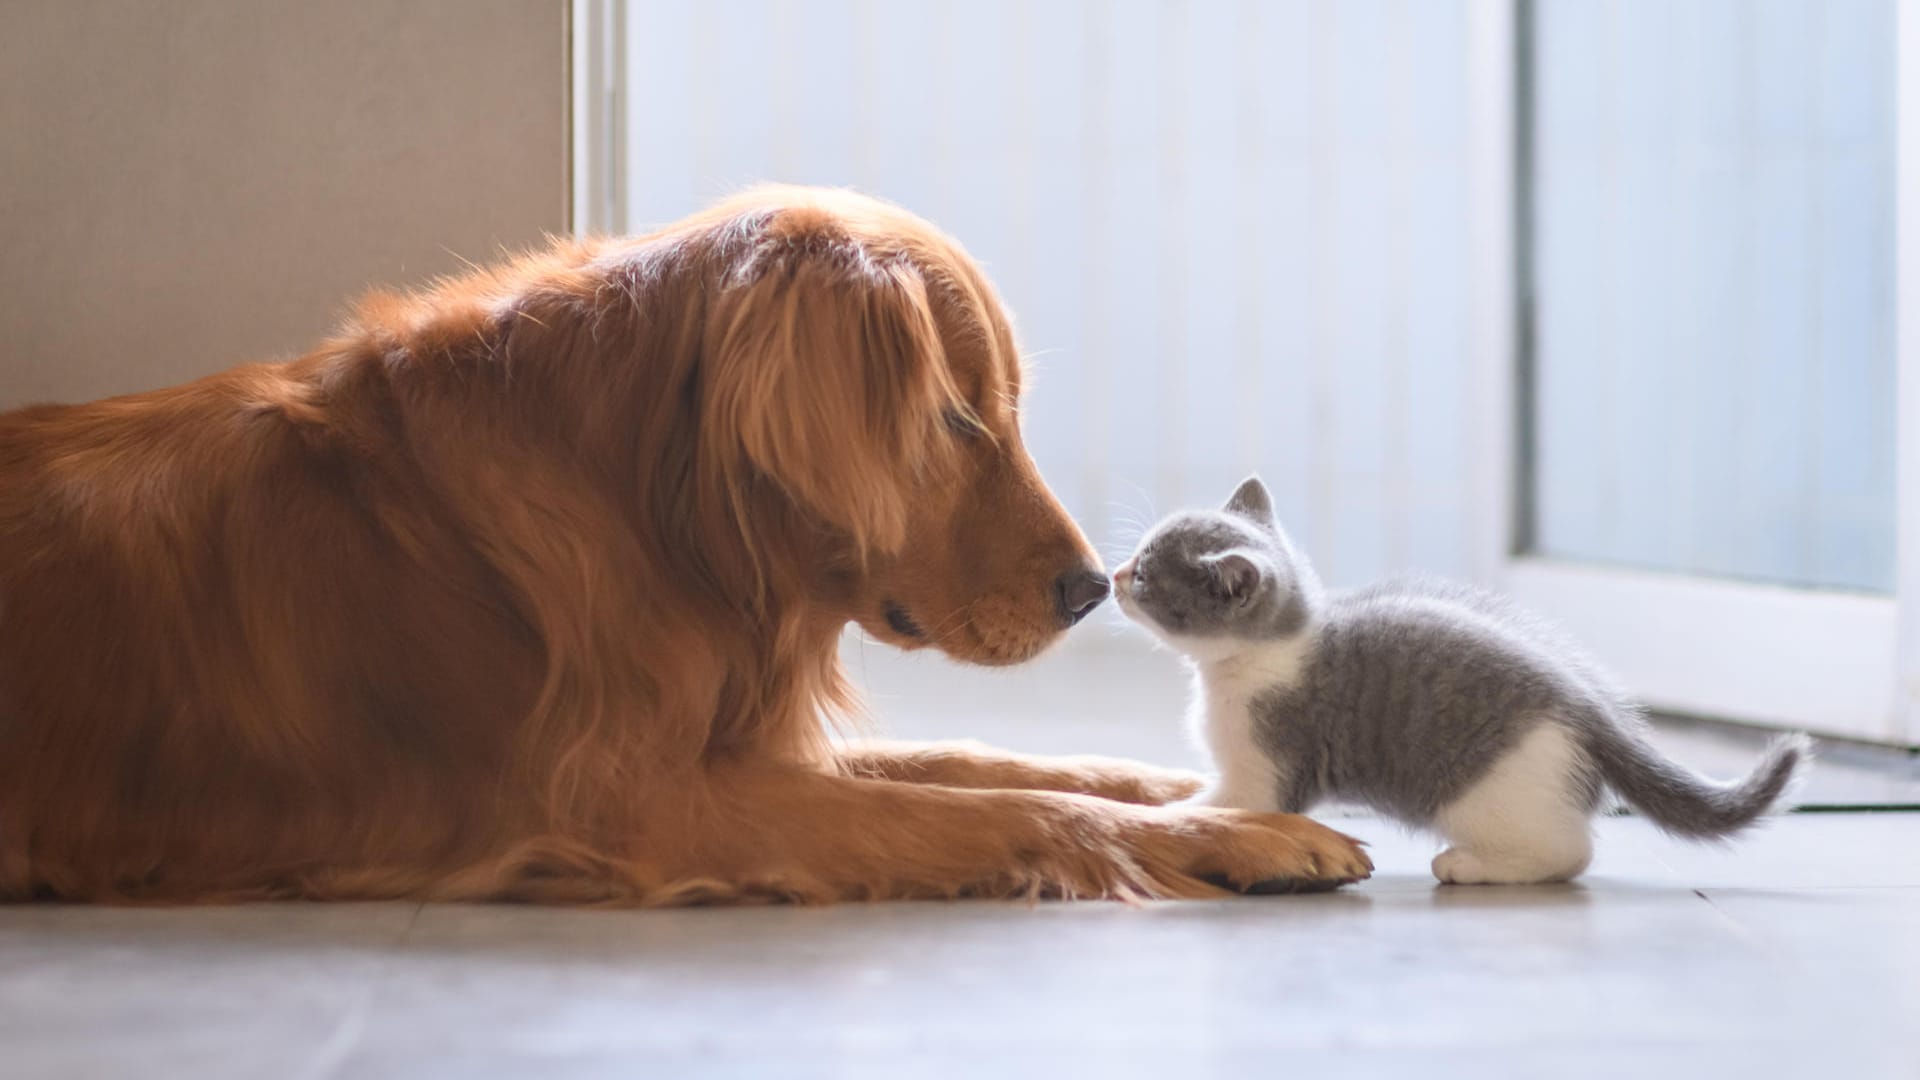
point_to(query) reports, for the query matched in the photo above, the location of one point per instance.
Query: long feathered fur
(529, 584)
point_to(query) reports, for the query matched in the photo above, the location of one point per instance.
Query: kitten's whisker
(1145, 496)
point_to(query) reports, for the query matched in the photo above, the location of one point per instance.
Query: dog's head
(859, 365)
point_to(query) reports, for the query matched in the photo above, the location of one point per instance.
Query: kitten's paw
(1456, 866)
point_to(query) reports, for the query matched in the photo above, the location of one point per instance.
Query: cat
(1436, 704)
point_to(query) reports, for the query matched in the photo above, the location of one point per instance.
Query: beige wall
(189, 184)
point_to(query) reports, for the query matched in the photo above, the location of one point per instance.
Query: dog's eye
(962, 422)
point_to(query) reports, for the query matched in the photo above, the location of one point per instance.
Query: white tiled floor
(1796, 953)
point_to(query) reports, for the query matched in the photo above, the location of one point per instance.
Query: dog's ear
(826, 366)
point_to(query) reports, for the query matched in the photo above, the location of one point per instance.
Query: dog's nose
(1078, 592)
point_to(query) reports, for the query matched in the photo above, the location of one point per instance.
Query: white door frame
(596, 30)
(1839, 663)
(1906, 721)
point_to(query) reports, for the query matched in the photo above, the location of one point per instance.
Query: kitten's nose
(1079, 591)
(1123, 574)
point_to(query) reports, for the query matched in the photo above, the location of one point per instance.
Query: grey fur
(1411, 690)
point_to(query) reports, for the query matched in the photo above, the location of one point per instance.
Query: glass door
(1708, 473)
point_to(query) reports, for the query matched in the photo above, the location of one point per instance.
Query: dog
(528, 586)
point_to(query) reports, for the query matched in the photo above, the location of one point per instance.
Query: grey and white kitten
(1435, 704)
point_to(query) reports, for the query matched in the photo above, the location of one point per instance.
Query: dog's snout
(1078, 592)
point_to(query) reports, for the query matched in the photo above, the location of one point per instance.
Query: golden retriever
(529, 585)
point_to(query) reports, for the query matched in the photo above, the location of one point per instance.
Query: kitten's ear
(1250, 499)
(1236, 574)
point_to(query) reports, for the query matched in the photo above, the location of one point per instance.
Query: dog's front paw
(1145, 785)
(1254, 852)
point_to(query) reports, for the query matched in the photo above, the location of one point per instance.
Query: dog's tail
(1681, 801)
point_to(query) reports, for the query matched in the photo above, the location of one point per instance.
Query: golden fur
(529, 585)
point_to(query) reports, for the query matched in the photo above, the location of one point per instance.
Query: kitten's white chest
(1227, 683)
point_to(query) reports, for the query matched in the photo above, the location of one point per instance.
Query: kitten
(1435, 704)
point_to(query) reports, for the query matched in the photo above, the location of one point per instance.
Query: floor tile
(205, 992)
(1370, 980)
(1855, 958)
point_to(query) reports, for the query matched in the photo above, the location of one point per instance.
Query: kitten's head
(1206, 580)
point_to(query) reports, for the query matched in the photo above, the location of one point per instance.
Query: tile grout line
(346, 1034)
(1739, 929)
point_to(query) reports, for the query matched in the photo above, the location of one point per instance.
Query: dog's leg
(794, 834)
(969, 764)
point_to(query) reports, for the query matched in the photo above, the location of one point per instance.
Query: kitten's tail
(1681, 801)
